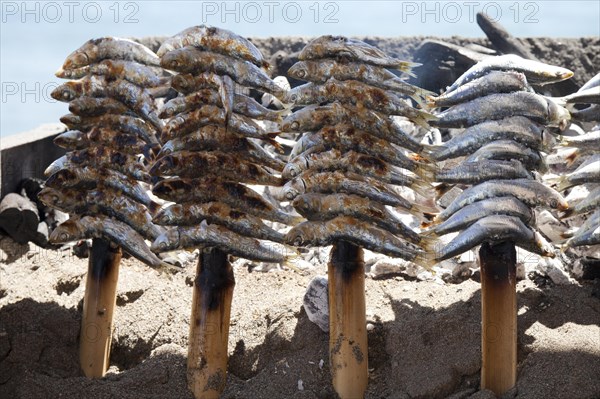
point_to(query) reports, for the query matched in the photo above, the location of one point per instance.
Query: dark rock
(19, 218)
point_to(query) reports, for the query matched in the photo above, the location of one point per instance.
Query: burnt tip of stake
(214, 277)
(499, 261)
(102, 258)
(347, 257)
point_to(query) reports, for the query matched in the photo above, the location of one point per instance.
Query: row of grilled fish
(508, 128)
(343, 171)
(214, 146)
(103, 180)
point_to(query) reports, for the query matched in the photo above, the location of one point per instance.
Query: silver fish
(470, 214)
(590, 236)
(72, 140)
(587, 96)
(593, 82)
(504, 105)
(235, 195)
(322, 207)
(349, 229)
(357, 94)
(96, 106)
(96, 50)
(588, 141)
(214, 39)
(589, 114)
(506, 150)
(138, 74)
(588, 172)
(492, 82)
(517, 128)
(536, 72)
(214, 235)
(480, 171)
(315, 117)
(495, 229)
(119, 233)
(319, 71)
(348, 49)
(589, 203)
(214, 212)
(531, 192)
(191, 60)
(123, 123)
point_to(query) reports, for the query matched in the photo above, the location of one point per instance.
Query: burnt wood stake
(209, 324)
(98, 307)
(348, 352)
(498, 317)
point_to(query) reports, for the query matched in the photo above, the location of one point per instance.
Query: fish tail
(572, 158)
(429, 216)
(561, 182)
(270, 138)
(421, 187)
(433, 151)
(428, 234)
(430, 101)
(422, 96)
(425, 259)
(153, 207)
(422, 209)
(425, 171)
(442, 189)
(291, 257)
(406, 67)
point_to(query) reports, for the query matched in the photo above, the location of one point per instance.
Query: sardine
(346, 49)
(96, 106)
(518, 128)
(217, 40)
(319, 71)
(493, 82)
(214, 235)
(348, 138)
(498, 106)
(315, 117)
(347, 183)
(88, 177)
(214, 212)
(355, 162)
(589, 114)
(507, 150)
(191, 60)
(96, 50)
(531, 192)
(209, 114)
(347, 228)
(357, 94)
(72, 140)
(589, 203)
(138, 74)
(100, 226)
(588, 172)
(135, 98)
(588, 141)
(496, 229)
(480, 171)
(587, 96)
(470, 214)
(536, 72)
(590, 236)
(593, 82)
(322, 207)
(216, 163)
(121, 207)
(124, 123)
(123, 142)
(68, 200)
(236, 195)
(188, 83)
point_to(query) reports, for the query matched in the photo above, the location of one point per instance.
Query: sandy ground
(425, 340)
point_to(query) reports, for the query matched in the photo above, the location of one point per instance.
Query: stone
(316, 302)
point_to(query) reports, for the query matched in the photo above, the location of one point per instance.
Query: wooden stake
(348, 351)
(98, 307)
(499, 317)
(209, 325)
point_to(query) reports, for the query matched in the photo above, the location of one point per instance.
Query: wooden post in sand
(209, 324)
(98, 307)
(348, 351)
(498, 316)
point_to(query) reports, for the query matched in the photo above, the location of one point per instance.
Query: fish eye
(66, 95)
(163, 245)
(290, 193)
(63, 236)
(295, 125)
(297, 241)
(294, 170)
(301, 73)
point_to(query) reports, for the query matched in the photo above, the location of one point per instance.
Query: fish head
(294, 188)
(166, 149)
(167, 111)
(77, 59)
(546, 248)
(291, 123)
(304, 203)
(167, 241)
(182, 81)
(295, 167)
(50, 197)
(70, 120)
(65, 92)
(55, 166)
(72, 137)
(61, 178)
(300, 70)
(300, 235)
(68, 231)
(163, 166)
(558, 115)
(176, 59)
(171, 186)
(168, 216)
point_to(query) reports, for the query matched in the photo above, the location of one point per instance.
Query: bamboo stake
(98, 307)
(499, 317)
(209, 325)
(348, 351)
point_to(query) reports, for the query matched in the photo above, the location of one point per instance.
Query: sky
(36, 36)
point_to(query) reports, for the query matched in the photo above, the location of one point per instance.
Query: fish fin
(425, 259)
(429, 216)
(422, 209)
(426, 172)
(561, 182)
(422, 97)
(290, 258)
(571, 158)
(270, 138)
(433, 150)
(430, 101)
(153, 207)
(423, 117)
(406, 67)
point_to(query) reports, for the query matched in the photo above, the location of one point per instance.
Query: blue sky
(35, 36)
